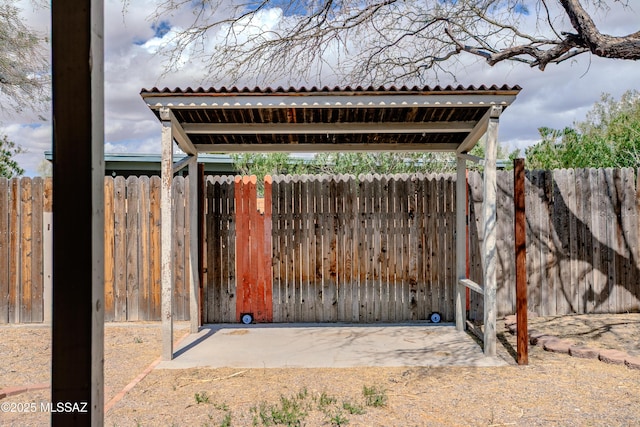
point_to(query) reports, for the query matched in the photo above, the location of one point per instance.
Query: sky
(555, 98)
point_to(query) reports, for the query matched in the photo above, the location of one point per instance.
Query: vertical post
(266, 255)
(489, 233)
(467, 267)
(461, 240)
(166, 235)
(521, 269)
(194, 276)
(78, 211)
(201, 205)
(47, 251)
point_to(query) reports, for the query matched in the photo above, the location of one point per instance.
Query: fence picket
(420, 247)
(372, 294)
(120, 250)
(562, 285)
(386, 246)
(5, 302)
(304, 234)
(154, 252)
(451, 280)
(144, 288)
(299, 306)
(26, 260)
(132, 234)
(599, 280)
(605, 294)
(265, 249)
(37, 289)
(572, 297)
(318, 295)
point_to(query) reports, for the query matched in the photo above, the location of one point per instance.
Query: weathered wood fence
(132, 248)
(23, 204)
(343, 249)
(379, 248)
(583, 249)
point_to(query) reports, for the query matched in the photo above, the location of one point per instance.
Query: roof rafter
(325, 128)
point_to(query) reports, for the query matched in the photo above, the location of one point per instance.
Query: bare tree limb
(383, 40)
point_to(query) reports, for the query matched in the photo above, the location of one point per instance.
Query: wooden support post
(468, 266)
(461, 234)
(489, 233)
(201, 205)
(521, 268)
(47, 251)
(77, 358)
(194, 276)
(166, 235)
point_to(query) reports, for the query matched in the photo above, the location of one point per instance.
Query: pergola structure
(449, 119)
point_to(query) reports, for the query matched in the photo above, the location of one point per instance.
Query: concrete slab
(328, 346)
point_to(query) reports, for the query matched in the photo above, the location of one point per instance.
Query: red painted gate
(253, 250)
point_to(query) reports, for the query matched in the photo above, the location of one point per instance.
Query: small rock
(539, 338)
(556, 345)
(510, 320)
(632, 362)
(12, 391)
(583, 352)
(614, 357)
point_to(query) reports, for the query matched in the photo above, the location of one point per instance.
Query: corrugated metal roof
(318, 119)
(335, 89)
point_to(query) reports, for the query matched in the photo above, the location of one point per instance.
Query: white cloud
(555, 98)
(34, 138)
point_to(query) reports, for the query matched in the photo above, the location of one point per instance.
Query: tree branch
(606, 46)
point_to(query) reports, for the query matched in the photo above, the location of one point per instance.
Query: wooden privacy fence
(379, 248)
(343, 249)
(583, 231)
(132, 248)
(25, 207)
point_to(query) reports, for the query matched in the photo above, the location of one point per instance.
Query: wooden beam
(461, 252)
(480, 129)
(184, 162)
(325, 128)
(521, 266)
(470, 284)
(166, 237)
(313, 148)
(471, 158)
(194, 276)
(77, 357)
(489, 234)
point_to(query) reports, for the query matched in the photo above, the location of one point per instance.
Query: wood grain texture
(132, 233)
(367, 249)
(4, 250)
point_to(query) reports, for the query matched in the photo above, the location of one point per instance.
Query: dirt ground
(555, 389)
